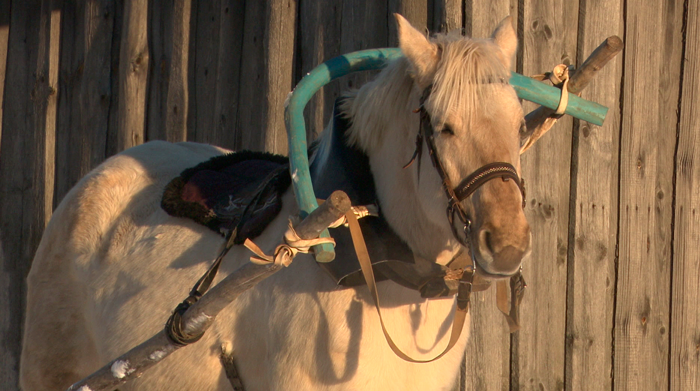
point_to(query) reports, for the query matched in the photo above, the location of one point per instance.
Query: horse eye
(448, 130)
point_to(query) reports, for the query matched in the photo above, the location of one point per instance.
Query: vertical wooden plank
(364, 27)
(4, 36)
(85, 92)
(279, 43)
(266, 73)
(488, 350)
(592, 260)
(114, 79)
(448, 16)
(320, 36)
(160, 37)
(685, 296)
(206, 53)
(26, 167)
(538, 352)
(482, 17)
(649, 120)
(415, 11)
(229, 70)
(176, 103)
(133, 75)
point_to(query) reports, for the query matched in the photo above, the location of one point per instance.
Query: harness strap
(173, 327)
(517, 291)
(463, 293)
(484, 174)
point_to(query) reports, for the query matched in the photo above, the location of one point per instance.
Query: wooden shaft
(203, 311)
(595, 62)
(605, 52)
(199, 317)
(540, 120)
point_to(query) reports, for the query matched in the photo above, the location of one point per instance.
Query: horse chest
(331, 338)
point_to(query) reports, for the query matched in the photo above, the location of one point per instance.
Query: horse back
(93, 226)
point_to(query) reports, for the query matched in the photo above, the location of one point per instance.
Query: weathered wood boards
(685, 294)
(133, 73)
(85, 90)
(266, 74)
(549, 37)
(26, 163)
(648, 142)
(168, 91)
(594, 215)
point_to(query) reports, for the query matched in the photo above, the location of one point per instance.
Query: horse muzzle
(499, 254)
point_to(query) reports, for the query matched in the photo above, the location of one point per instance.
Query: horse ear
(504, 36)
(420, 52)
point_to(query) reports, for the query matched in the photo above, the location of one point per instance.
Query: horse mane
(468, 71)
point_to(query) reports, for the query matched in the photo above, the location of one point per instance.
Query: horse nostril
(500, 256)
(486, 241)
(507, 260)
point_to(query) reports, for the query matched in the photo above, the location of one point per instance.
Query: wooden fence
(613, 299)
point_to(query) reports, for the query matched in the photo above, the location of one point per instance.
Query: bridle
(455, 196)
(467, 187)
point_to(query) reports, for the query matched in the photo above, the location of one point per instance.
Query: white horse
(112, 264)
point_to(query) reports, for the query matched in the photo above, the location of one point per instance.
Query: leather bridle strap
(455, 195)
(484, 174)
(463, 293)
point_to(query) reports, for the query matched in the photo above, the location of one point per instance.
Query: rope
(559, 77)
(360, 211)
(285, 253)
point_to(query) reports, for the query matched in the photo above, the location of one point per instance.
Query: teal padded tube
(545, 95)
(525, 87)
(296, 128)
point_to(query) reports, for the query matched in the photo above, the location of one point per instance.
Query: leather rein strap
(455, 195)
(464, 291)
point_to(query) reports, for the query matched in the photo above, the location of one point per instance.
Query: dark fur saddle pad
(240, 190)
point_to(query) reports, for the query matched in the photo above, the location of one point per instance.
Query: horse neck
(384, 126)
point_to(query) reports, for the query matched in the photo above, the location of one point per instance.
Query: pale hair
(465, 78)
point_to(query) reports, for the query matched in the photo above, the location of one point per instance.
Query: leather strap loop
(460, 315)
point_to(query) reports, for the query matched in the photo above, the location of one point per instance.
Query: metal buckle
(465, 289)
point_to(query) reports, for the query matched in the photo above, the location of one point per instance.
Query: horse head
(471, 121)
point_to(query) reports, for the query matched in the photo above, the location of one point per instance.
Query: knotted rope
(285, 253)
(360, 211)
(559, 77)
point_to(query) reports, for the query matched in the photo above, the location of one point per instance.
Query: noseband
(455, 195)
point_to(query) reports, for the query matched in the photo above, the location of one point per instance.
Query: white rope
(559, 77)
(285, 253)
(360, 212)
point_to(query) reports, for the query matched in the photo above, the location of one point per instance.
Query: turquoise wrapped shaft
(526, 88)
